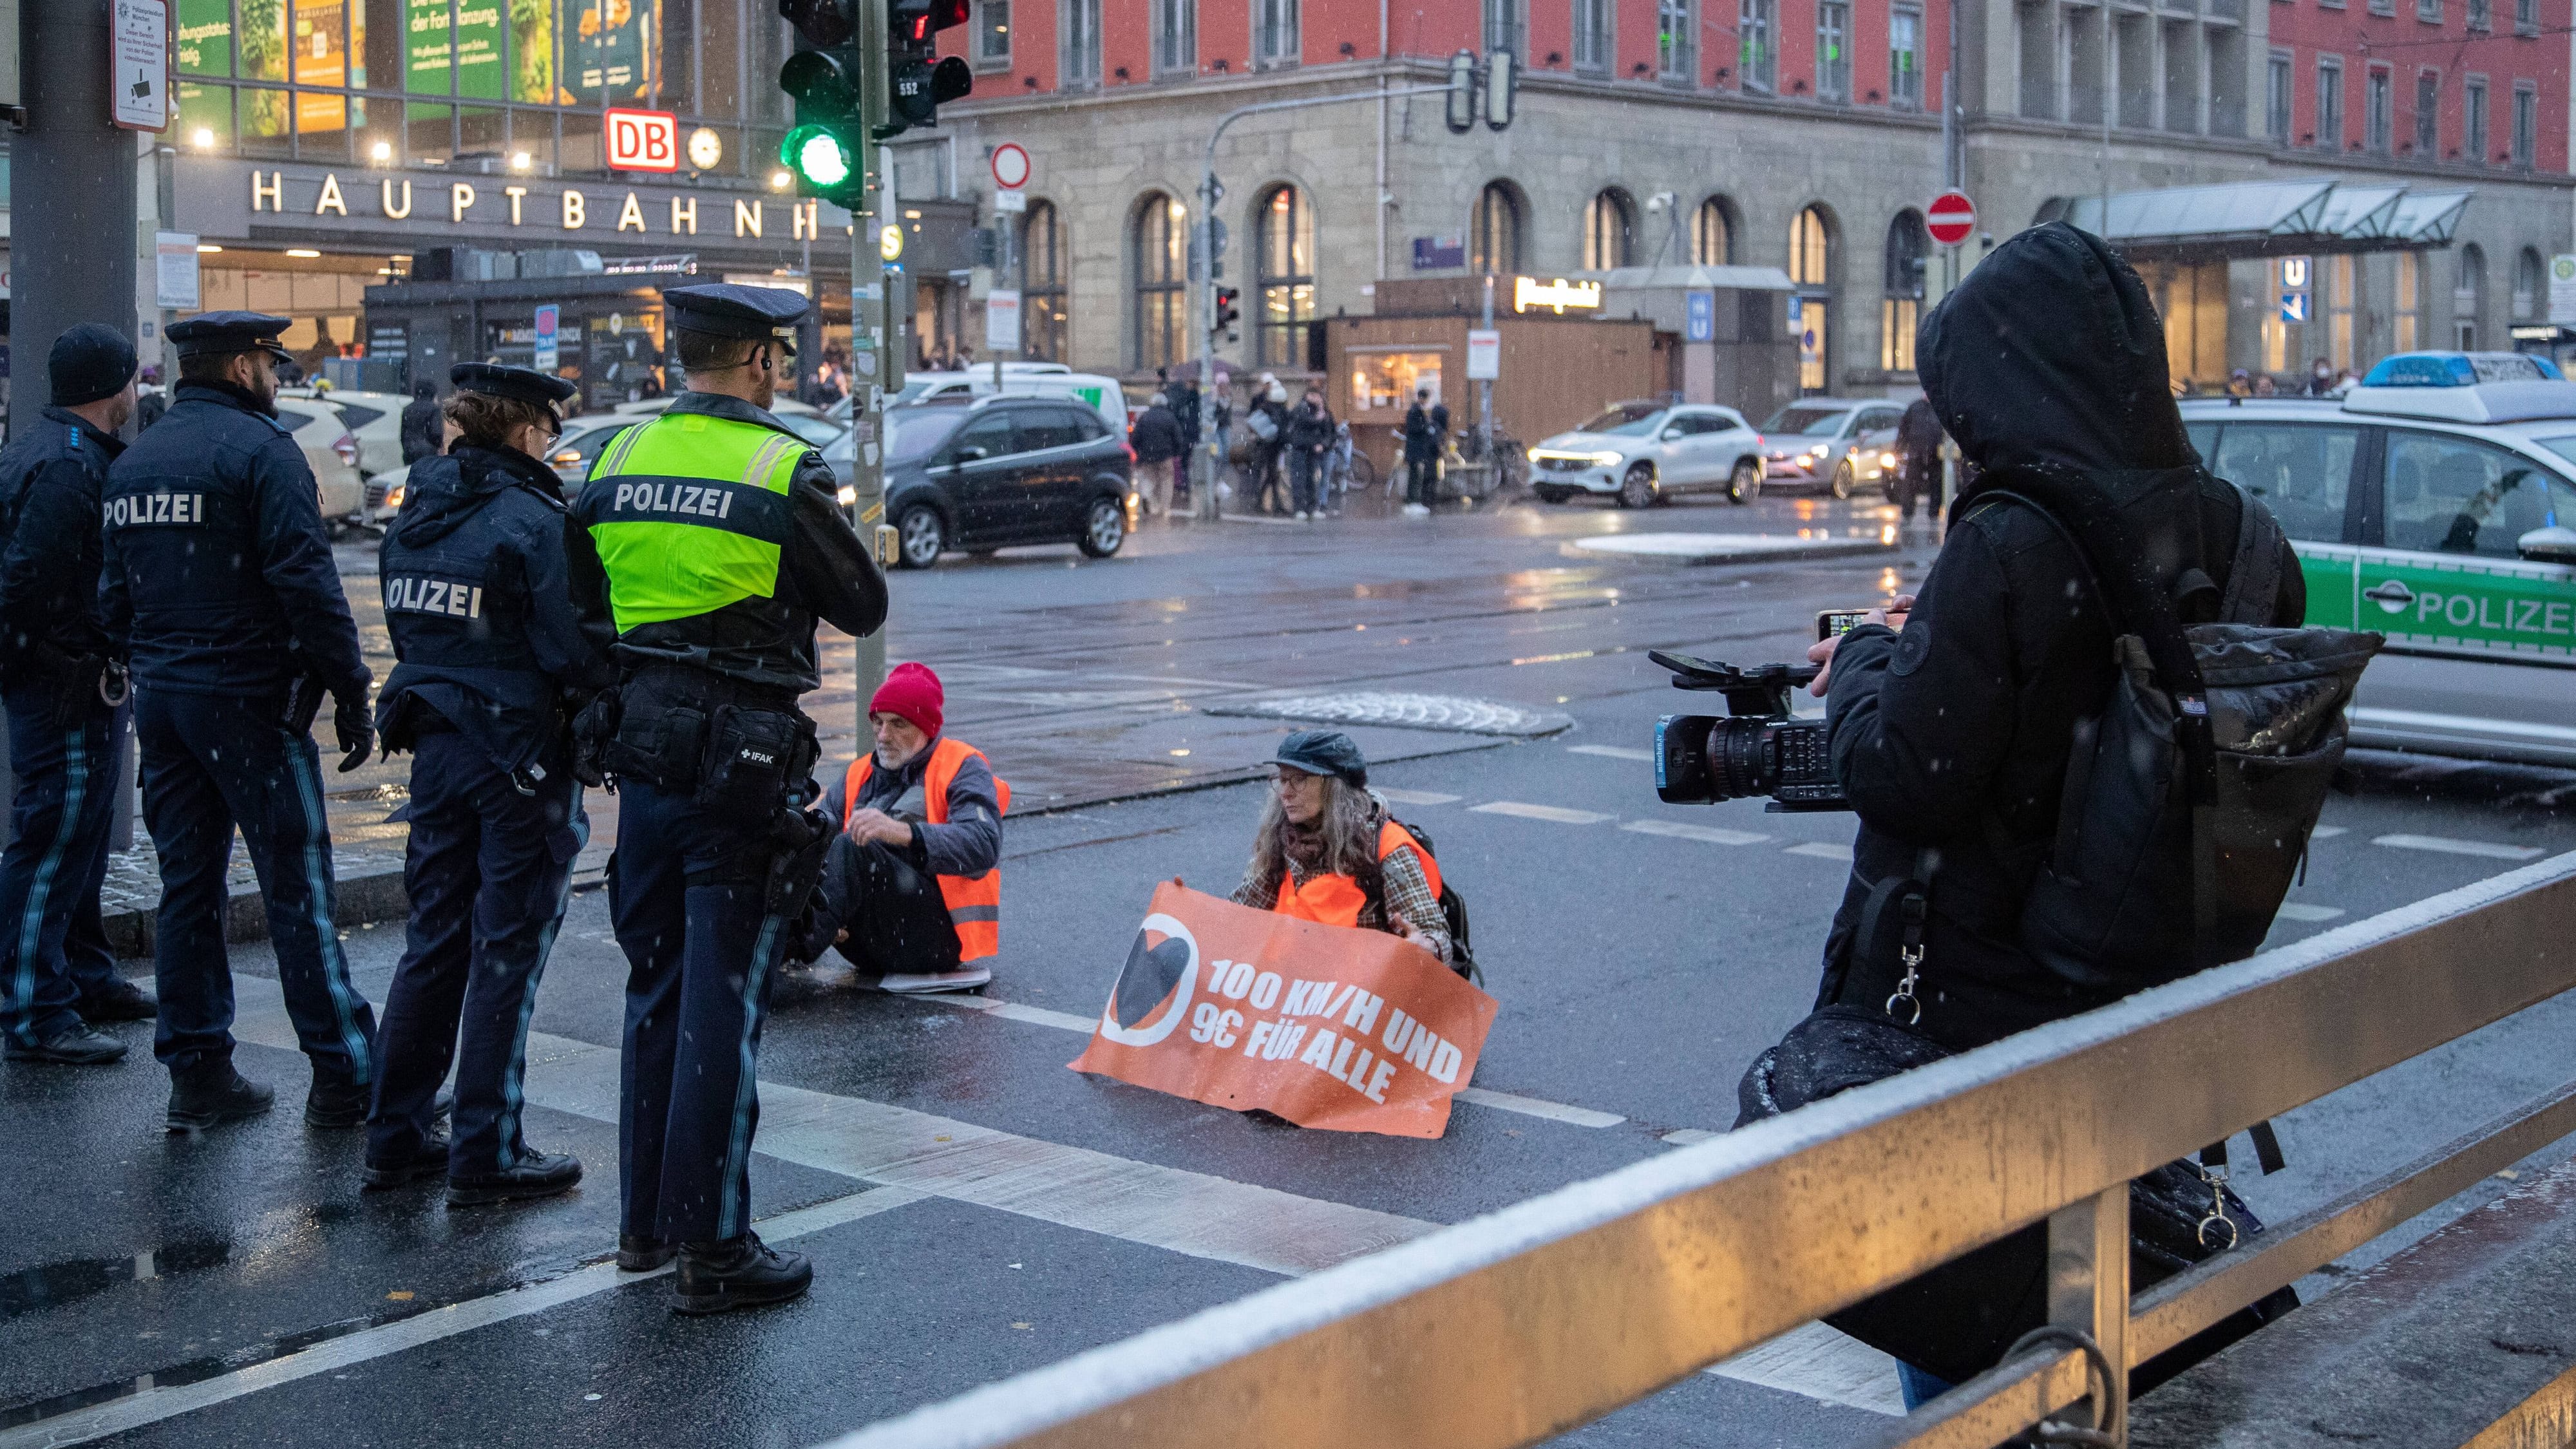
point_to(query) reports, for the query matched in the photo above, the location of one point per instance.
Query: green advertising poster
(479, 72)
(473, 49)
(532, 46)
(205, 37)
(613, 49)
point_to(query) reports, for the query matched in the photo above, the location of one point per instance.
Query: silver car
(1834, 443)
(1645, 452)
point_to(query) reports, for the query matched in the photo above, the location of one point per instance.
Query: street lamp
(519, 161)
(381, 152)
(780, 180)
(205, 138)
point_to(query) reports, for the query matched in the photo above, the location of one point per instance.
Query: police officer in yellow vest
(709, 538)
(912, 890)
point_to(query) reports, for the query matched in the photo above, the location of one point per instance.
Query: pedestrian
(1337, 469)
(2321, 378)
(220, 588)
(2263, 385)
(710, 542)
(2240, 383)
(1185, 403)
(495, 812)
(424, 429)
(1918, 459)
(1306, 438)
(1220, 408)
(912, 890)
(1951, 738)
(1156, 441)
(1267, 419)
(58, 977)
(1327, 851)
(151, 400)
(1426, 432)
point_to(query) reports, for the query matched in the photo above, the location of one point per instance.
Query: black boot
(335, 1101)
(121, 1001)
(741, 1272)
(538, 1174)
(639, 1254)
(427, 1160)
(212, 1092)
(77, 1045)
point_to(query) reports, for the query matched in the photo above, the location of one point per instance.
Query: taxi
(2436, 504)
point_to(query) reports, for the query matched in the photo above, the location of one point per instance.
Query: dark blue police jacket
(481, 614)
(51, 476)
(219, 577)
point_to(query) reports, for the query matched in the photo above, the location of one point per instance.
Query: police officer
(219, 586)
(57, 975)
(711, 544)
(489, 649)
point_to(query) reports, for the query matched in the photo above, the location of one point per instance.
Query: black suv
(1000, 471)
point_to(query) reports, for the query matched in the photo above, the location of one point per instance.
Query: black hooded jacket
(1955, 734)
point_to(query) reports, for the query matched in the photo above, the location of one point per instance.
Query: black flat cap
(520, 384)
(89, 362)
(729, 309)
(216, 332)
(1324, 752)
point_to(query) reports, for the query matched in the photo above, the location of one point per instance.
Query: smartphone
(1833, 622)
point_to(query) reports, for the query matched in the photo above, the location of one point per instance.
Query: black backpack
(1453, 906)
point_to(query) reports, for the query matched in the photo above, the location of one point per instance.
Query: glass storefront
(494, 85)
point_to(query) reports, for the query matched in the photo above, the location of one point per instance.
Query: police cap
(519, 384)
(218, 332)
(729, 309)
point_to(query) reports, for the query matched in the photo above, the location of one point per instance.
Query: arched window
(1284, 246)
(1609, 231)
(2469, 297)
(1161, 246)
(1713, 233)
(1909, 249)
(1811, 306)
(2530, 285)
(1043, 314)
(1494, 232)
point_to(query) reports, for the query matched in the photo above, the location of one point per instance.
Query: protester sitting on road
(912, 889)
(1327, 851)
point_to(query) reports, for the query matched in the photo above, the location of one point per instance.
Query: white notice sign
(1002, 321)
(2562, 290)
(1484, 355)
(138, 80)
(174, 276)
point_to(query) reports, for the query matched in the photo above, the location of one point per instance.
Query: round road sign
(1010, 166)
(1950, 218)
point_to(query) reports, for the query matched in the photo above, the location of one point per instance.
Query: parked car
(331, 451)
(1644, 452)
(373, 418)
(2436, 504)
(584, 439)
(998, 471)
(385, 494)
(1831, 442)
(1019, 379)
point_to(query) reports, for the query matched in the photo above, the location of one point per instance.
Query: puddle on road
(51, 1285)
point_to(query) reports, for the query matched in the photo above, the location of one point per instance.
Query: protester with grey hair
(1327, 851)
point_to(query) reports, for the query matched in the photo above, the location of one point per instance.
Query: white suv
(1644, 452)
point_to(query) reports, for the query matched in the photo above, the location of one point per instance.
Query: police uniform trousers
(211, 762)
(54, 953)
(488, 871)
(688, 886)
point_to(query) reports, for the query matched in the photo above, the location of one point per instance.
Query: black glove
(356, 727)
(799, 839)
(75, 683)
(593, 726)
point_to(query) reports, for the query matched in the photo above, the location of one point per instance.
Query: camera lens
(1743, 759)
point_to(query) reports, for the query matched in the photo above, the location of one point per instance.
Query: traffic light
(1227, 314)
(919, 80)
(1462, 92)
(826, 148)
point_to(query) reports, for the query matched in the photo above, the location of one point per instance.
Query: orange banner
(1327, 1026)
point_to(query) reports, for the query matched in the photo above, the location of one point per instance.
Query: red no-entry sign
(1950, 218)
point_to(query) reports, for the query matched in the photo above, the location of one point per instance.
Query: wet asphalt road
(974, 1208)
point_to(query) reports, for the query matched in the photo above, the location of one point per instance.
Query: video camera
(1757, 749)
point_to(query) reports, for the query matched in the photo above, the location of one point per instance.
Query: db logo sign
(643, 141)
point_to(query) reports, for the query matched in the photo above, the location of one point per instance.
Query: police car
(2436, 504)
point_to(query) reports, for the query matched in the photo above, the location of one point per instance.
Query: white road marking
(1686, 1136)
(1554, 813)
(1820, 1363)
(1821, 850)
(1014, 1011)
(1415, 797)
(151, 1406)
(2302, 911)
(1611, 752)
(2445, 845)
(1533, 1107)
(2327, 832)
(1683, 830)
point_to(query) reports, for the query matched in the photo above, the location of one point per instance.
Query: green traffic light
(816, 155)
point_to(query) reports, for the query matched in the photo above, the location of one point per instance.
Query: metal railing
(1527, 1322)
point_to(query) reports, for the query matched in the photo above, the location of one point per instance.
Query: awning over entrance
(2320, 215)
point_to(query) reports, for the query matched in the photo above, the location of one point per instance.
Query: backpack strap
(2254, 577)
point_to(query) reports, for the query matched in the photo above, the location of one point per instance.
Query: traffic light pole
(876, 349)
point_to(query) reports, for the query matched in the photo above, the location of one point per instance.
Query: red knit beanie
(913, 692)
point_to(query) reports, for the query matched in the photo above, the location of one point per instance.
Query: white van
(1040, 379)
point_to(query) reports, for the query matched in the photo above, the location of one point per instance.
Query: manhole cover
(1403, 711)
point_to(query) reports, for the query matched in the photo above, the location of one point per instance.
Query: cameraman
(1952, 713)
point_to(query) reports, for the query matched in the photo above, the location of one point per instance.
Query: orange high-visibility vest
(1336, 900)
(974, 901)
